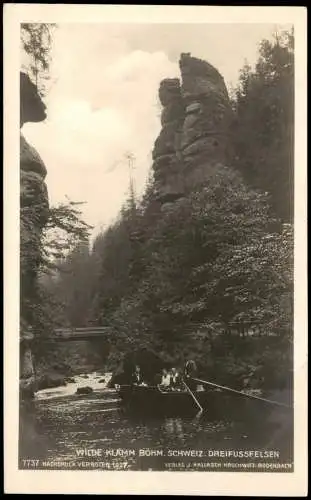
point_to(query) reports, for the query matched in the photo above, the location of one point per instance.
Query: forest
(211, 278)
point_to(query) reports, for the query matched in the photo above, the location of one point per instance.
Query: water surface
(61, 429)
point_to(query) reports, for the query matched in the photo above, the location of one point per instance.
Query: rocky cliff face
(34, 207)
(195, 122)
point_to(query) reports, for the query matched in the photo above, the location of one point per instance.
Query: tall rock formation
(34, 206)
(166, 152)
(195, 123)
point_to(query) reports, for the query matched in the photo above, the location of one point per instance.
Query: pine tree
(36, 42)
(263, 130)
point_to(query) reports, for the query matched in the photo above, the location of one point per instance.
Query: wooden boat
(215, 403)
(154, 399)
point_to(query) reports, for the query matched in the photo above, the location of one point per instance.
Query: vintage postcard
(155, 250)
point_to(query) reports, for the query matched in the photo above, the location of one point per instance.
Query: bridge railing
(63, 334)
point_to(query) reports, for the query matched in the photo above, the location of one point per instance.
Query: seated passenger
(165, 379)
(136, 378)
(176, 380)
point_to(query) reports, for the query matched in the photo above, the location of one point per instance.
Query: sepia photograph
(157, 228)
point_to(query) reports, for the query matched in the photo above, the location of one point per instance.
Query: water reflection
(173, 427)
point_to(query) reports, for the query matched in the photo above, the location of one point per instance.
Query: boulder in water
(70, 380)
(84, 390)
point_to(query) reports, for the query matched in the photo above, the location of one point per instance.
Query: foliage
(36, 42)
(64, 230)
(214, 257)
(263, 130)
(43, 248)
(205, 279)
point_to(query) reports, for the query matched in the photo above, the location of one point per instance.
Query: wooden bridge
(74, 334)
(70, 334)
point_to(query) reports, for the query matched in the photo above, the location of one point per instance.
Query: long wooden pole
(242, 393)
(195, 399)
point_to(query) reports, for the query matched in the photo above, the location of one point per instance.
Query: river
(61, 429)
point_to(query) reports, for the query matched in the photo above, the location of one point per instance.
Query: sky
(103, 102)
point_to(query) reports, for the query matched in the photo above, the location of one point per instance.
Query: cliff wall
(34, 207)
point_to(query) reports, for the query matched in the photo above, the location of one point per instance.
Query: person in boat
(137, 378)
(190, 369)
(165, 379)
(190, 372)
(175, 380)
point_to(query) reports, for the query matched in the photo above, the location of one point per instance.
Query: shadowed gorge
(201, 267)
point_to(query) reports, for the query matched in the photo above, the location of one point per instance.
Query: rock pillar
(195, 122)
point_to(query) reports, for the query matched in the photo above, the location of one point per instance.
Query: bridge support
(27, 372)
